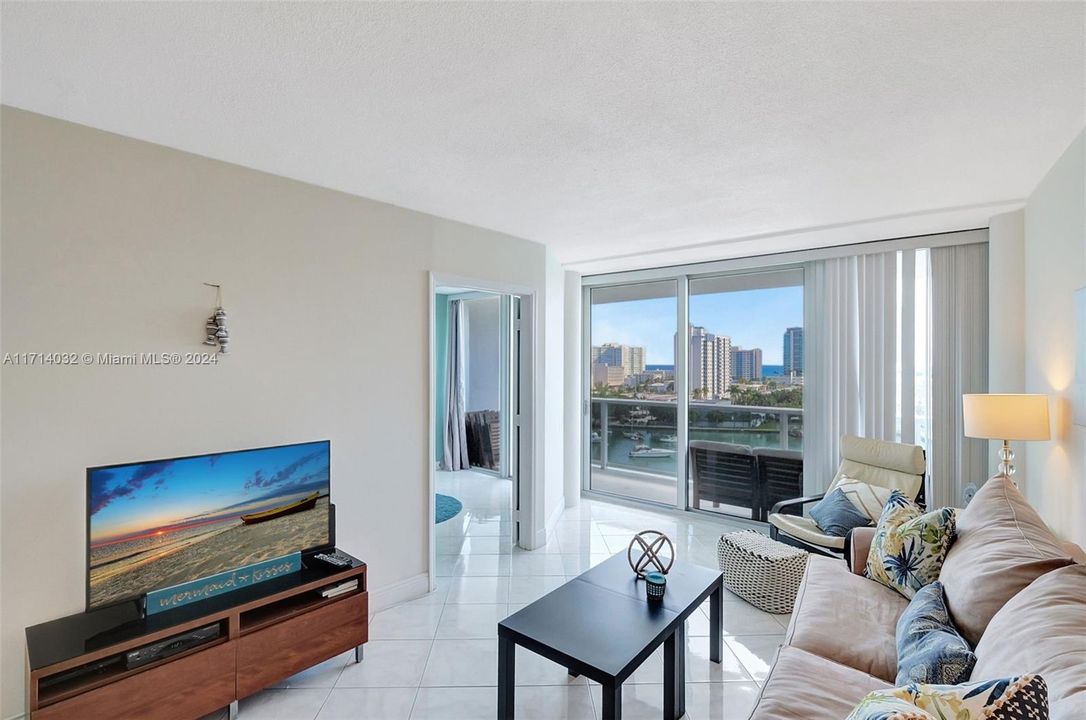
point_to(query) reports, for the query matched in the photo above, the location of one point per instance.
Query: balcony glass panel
(632, 369)
(745, 379)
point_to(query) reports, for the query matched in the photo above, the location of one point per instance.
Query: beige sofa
(1013, 589)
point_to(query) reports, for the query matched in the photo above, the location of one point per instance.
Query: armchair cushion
(805, 529)
(835, 514)
(891, 465)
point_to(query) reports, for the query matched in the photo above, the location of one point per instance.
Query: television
(160, 523)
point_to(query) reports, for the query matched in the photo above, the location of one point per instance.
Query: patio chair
(890, 465)
(724, 473)
(780, 478)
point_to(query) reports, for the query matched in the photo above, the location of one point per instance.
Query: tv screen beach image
(158, 524)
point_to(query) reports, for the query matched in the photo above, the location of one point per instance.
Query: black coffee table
(601, 626)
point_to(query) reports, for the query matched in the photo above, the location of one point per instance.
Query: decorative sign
(224, 582)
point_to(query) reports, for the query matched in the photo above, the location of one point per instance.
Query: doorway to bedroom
(476, 431)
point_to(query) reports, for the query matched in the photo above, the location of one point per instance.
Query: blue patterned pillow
(836, 515)
(929, 648)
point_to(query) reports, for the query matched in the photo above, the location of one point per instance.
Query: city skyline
(650, 323)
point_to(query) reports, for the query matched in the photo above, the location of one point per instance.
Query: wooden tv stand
(268, 632)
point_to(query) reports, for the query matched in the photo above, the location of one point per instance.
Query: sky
(149, 496)
(752, 318)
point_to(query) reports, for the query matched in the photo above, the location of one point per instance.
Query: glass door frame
(682, 419)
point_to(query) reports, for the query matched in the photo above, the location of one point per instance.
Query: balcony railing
(635, 445)
(621, 425)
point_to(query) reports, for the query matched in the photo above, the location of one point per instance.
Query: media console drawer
(267, 655)
(164, 693)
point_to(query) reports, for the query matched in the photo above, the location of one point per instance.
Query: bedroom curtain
(456, 431)
(959, 364)
(850, 354)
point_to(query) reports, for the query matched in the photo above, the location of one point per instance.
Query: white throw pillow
(868, 499)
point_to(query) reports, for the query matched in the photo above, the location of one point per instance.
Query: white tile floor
(436, 657)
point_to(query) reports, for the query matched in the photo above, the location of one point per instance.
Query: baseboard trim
(413, 587)
(540, 538)
(556, 515)
(20, 716)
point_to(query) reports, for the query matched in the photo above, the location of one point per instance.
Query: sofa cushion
(1043, 630)
(929, 648)
(1002, 546)
(835, 514)
(909, 546)
(846, 618)
(802, 686)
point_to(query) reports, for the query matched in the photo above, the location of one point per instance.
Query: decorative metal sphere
(649, 543)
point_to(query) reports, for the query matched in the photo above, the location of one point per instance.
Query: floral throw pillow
(909, 546)
(1018, 698)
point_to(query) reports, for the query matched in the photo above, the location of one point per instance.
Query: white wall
(106, 241)
(1055, 266)
(1006, 315)
(483, 354)
(554, 358)
(573, 390)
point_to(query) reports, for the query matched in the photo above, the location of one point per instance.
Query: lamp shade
(1006, 417)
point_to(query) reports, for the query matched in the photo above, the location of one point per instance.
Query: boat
(306, 503)
(636, 436)
(671, 439)
(596, 437)
(644, 451)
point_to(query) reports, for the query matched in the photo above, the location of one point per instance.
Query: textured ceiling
(603, 130)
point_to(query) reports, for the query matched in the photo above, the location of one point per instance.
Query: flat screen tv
(160, 523)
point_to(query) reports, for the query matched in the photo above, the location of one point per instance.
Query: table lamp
(1005, 417)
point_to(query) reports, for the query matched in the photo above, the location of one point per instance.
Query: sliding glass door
(633, 430)
(694, 378)
(745, 380)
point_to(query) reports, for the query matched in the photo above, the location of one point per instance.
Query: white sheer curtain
(456, 431)
(959, 364)
(850, 356)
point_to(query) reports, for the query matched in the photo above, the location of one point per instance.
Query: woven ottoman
(762, 571)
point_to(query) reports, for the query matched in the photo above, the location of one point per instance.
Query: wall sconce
(217, 334)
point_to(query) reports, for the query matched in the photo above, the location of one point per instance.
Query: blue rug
(447, 507)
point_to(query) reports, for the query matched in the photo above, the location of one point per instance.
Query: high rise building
(607, 375)
(746, 364)
(793, 352)
(710, 361)
(631, 358)
(595, 354)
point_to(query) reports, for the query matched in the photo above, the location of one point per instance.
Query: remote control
(335, 559)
